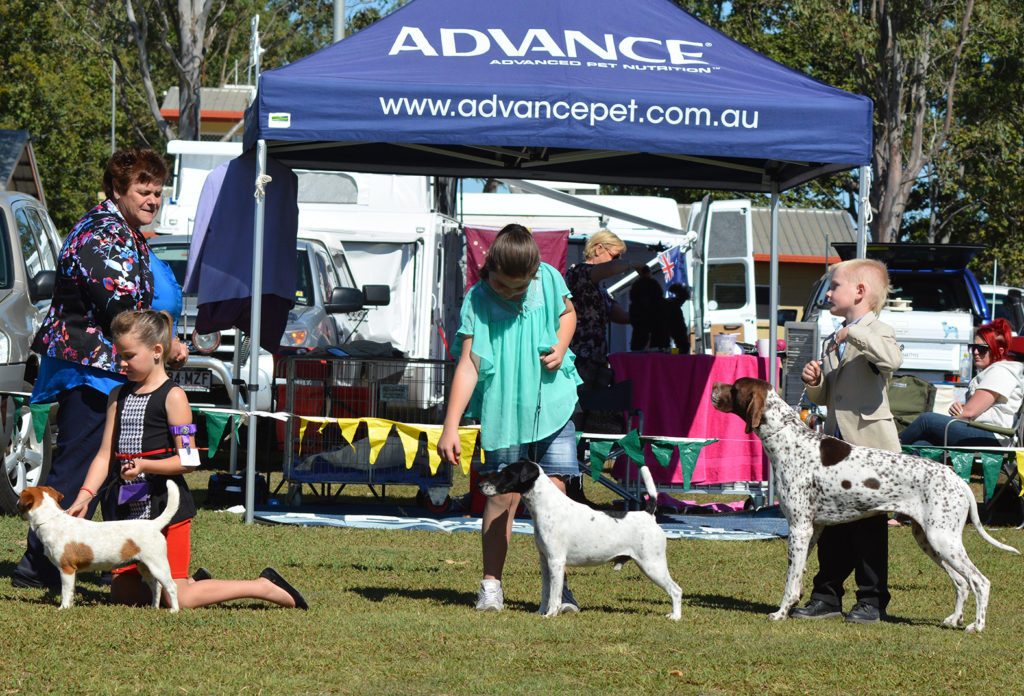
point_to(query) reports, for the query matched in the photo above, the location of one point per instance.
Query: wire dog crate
(318, 455)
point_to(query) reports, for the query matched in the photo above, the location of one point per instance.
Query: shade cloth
(674, 393)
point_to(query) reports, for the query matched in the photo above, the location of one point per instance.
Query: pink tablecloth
(674, 393)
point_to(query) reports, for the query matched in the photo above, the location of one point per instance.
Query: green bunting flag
(599, 450)
(215, 424)
(962, 463)
(688, 453)
(633, 447)
(40, 414)
(990, 465)
(662, 452)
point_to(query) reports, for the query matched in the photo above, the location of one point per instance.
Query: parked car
(29, 245)
(323, 294)
(1008, 303)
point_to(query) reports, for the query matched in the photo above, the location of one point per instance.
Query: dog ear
(528, 473)
(755, 407)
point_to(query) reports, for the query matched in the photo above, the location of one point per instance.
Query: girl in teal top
(516, 375)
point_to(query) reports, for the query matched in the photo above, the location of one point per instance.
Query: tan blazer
(854, 391)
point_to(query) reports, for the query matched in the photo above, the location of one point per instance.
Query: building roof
(216, 103)
(18, 170)
(805, 235)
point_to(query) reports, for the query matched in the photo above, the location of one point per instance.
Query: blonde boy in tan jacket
(851, 380)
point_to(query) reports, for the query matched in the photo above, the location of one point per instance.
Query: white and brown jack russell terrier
(74, 544)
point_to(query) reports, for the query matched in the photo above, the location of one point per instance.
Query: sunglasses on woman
(978, 348)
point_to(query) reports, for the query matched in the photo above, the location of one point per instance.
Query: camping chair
(619, 398)
(909, 397)
(1009, 464)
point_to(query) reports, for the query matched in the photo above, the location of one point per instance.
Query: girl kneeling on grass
(146, 443)
(517, 374)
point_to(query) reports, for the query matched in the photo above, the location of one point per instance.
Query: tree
(58, 95)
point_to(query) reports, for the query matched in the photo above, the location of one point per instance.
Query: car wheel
(26, 457)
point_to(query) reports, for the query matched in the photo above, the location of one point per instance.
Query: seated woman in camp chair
(993, 397)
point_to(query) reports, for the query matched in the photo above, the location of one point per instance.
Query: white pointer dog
(568, 533)
(74, 544)
(822, 481)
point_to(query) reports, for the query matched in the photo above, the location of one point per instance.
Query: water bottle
(965, 365)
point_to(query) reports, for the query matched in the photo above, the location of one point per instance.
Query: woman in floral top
(104, 268)
(594, 310)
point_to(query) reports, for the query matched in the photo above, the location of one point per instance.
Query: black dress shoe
(816, 609)
(275, 577)
(865, 614)
(19, 580)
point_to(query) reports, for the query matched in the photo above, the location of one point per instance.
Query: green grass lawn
(392, 612)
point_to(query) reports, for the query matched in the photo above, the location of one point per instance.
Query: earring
(156, 360)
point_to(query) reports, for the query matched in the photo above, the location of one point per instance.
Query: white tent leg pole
(773, 318)
(862, 212)
(254, 329)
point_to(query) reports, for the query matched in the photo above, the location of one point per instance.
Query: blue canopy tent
(604, 91)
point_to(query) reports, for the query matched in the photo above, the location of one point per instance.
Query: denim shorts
(555, 453)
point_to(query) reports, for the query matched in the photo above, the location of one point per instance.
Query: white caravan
(383, 225)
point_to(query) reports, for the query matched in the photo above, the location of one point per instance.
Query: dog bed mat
(740, 527)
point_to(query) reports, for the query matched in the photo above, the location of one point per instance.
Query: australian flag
(673, 266)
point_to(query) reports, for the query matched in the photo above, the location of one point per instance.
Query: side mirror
(40, 286)
(377, 295)
(344, 300)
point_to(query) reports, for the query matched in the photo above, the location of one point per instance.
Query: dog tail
(173, 496)
(976, 520)
(652, 492)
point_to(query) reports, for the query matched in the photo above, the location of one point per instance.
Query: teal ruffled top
(516, 400)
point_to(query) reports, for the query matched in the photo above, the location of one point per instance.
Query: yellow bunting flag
(348, 428)
(378, 431)
(302, 432)
(410, 437)
(433, 458)
(467, 441)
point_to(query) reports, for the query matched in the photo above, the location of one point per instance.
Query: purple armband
(184, 431)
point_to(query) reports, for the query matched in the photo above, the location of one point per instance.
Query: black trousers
(81, 415)
(861, 548)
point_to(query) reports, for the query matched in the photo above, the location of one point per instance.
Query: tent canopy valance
(588, 90)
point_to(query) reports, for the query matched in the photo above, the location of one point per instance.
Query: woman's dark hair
(997, 335)
(135, 165)
(514, 252)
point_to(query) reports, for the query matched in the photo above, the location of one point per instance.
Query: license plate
(191, 380)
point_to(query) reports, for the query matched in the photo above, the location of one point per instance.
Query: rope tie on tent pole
(869, 214)
(261, 186)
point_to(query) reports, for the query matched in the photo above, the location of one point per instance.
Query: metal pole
(254, 330)
(773, 319)
(339, 20)
(863, 211)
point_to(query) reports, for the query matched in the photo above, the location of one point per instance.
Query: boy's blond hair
(873, 274)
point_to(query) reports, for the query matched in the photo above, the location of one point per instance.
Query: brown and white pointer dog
(821, 481)
(73, 544)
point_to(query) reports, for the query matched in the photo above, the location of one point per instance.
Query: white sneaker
(490, 597)
(569, 605)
